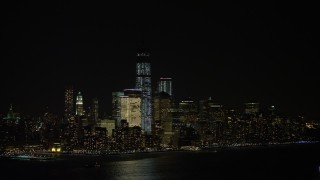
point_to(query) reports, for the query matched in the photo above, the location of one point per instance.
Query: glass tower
(143, 82)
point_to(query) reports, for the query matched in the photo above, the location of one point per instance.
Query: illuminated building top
(79, 104)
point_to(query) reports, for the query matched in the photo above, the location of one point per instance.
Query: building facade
(131, 107)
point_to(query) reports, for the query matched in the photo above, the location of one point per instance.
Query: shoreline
(53, 156)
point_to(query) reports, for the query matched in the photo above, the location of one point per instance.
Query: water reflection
(132, 169)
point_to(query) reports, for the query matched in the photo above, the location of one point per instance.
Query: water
(282, 162)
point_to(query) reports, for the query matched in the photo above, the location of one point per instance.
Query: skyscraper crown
(143, 55)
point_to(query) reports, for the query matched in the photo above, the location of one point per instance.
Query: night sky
(235, 52)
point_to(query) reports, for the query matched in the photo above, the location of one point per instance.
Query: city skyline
(265, 55)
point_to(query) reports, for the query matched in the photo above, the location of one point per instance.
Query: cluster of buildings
(143, 119)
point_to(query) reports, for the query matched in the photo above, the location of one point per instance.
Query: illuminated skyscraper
(143, 82)
(130, 107)
(68, 102)
(79, 105)
(165, 85)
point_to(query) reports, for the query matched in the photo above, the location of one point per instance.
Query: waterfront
(276, 162)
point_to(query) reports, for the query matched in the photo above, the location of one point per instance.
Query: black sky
(233, 51)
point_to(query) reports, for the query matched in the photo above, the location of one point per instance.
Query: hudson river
(258, 163)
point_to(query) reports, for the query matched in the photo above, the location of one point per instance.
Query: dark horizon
(233, 52)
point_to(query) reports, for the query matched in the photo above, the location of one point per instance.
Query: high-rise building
(95, 110)
(116, 106)
(79, 105)
(251, 108)
(73, 130)
(68, 102)
(130, 107)
(143, 82)
(165, 85)
(163, 118)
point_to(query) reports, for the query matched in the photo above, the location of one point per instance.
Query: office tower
(95, 110)
(163, 118)
(165, 85)
(116, 106)
(143, 82)
(251, 108)
(68, 102)
(79, 105)
(130, 107)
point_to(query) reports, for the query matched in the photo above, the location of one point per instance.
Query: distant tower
(68, 102)
(10, 114)
(116, 106)
(95, 109)
(143, 82)
(163, 118)
(79, 105)
(165, 85)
